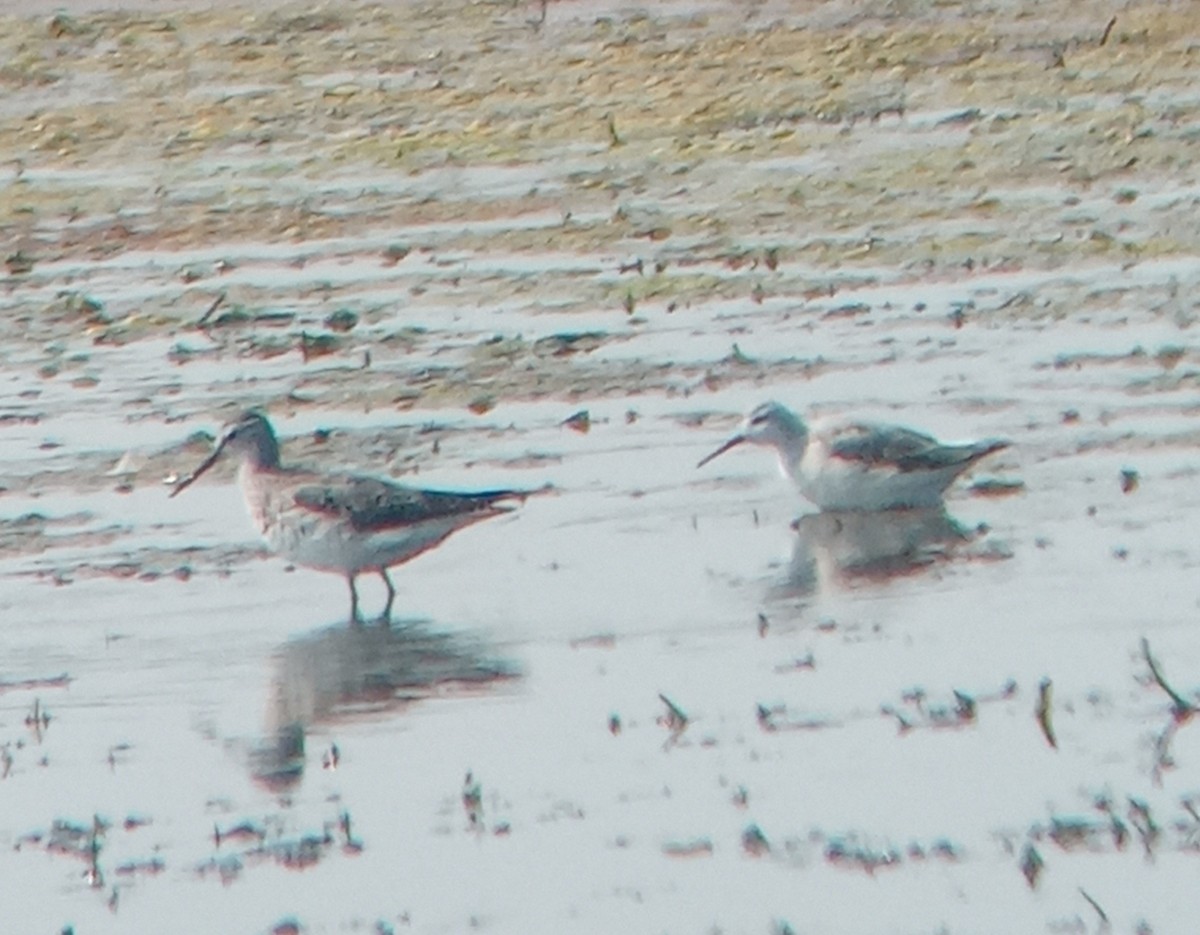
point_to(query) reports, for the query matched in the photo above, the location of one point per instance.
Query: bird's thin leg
(391, 589)
(354, 617)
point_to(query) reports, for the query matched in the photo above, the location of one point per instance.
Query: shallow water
(191, 735)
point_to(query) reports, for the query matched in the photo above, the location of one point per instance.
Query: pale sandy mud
(426, 236)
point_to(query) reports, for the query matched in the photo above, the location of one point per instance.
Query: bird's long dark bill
(732, 443)
(191, 478)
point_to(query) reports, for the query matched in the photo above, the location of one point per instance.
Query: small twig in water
(1182, 709)
(1147, 828)
(1108, 30)
(1044, 712)
(212, 308)
(674, 720)
(1031, 865)
(1104, 924)
(614, 138)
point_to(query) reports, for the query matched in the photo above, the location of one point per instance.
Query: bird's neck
(257, 491)
(790, 448)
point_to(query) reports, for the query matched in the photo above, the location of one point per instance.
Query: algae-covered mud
(500, 244)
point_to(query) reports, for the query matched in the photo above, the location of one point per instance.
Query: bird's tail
(981, 449)
(500, 495)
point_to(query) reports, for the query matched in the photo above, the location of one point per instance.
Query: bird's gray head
(770, 424)
(249, 438)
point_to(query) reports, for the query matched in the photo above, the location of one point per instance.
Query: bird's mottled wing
(370, 503)
(896, 447)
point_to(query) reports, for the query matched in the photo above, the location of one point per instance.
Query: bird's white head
(771, 424)
(250, 438)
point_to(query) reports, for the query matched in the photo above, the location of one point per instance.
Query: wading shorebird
(858, 466)
(343, 523)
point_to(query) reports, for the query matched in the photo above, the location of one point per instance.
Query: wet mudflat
(478, 245)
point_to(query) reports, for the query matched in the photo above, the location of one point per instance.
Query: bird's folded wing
(370, 503)
(893, 446)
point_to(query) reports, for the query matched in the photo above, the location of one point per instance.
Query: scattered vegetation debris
(738, 356)
(149, 867)
(394, 253)
(700, 847)
(1074, 833)
(227, 867)
(1169, 356)
(1108, 28)
(849, 852)
(240, 833)
(1181, 709)
(62, 26)
(754, 842)
(674, 719)
(1146, 827)
(38, 720)
(580, 421)
(350, 844)
(568, 343)
(941, 849)
(1129, 480)
(775, 718)
(1045, 713)
(208, 313)
(1031, 865)
(1104, 923)
(313, 346)
(614, 138)
(594, 641)
(806, 663)
(341, 321)
(19, 263)
(848, 310)
(963, 712)
(472, 801)
(51, 681)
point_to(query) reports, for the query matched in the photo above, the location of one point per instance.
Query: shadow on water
(841, 550)
(345, 671)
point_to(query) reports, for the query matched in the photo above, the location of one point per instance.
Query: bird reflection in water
(344, 671)
(835, 549)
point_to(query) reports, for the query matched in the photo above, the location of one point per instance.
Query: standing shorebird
(344, 523)
(858, 465)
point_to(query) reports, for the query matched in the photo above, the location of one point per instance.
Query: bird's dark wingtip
(497, 496)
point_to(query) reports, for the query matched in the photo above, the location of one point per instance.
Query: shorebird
(344, 523)
(858, 466)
